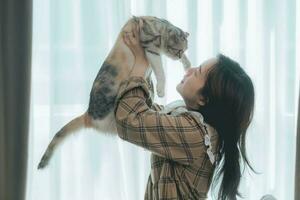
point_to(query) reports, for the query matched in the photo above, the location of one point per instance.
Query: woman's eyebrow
(200, 68)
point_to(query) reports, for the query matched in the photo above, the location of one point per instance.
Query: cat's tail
(74, 125)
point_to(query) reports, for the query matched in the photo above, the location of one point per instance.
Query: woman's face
(193, 80)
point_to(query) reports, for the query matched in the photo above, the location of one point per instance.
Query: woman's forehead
(208, 63)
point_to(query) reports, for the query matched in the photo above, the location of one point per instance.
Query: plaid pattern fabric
(180, 168)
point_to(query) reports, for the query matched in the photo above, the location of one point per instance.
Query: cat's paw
(185, 61)
(160, 91)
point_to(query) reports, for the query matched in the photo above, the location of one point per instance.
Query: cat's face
(176, 43)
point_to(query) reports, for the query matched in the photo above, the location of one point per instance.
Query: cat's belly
(106, 125)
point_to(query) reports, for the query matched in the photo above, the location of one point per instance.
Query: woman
(188, 143)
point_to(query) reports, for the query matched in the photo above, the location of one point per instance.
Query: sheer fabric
(71, 40)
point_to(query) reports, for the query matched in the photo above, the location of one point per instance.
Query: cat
(157, 36)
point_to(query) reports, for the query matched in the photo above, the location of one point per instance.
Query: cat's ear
(134, 17)
(186, 34)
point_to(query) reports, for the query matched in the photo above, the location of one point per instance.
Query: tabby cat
(157, 36)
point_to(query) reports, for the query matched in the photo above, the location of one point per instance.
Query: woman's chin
(179, 87)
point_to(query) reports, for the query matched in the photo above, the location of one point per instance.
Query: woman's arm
(179, 138)
(141, 65)
(132, 40)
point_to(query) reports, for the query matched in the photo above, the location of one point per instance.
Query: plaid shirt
(180, 166)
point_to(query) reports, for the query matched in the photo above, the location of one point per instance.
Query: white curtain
(71, 39)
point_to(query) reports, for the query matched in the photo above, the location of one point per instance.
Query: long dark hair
(229, 96)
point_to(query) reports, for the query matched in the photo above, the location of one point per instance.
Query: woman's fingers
(133, 28)
(132, 38)
(124, 37)
(129, 39)
(139, 26)
(135, 31)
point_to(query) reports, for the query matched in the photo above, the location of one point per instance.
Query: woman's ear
(201, 101)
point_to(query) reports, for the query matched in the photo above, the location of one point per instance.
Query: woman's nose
(189, 71)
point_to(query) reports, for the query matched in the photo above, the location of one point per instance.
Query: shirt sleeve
(179, 138)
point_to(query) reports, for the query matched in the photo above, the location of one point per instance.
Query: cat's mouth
(179, 54)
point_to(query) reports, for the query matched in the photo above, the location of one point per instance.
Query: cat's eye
(179, 53)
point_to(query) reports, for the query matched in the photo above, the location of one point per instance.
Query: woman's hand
(132, 40)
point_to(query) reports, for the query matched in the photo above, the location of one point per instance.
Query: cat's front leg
(185, 61)
(156, 64)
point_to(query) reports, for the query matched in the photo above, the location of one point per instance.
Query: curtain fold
(72, 39)
(15, 73)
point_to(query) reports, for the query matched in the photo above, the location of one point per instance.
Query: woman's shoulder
(172, 107)
(178, 107)
(210, 134)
